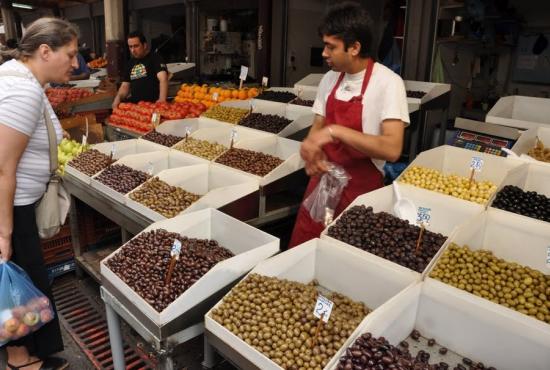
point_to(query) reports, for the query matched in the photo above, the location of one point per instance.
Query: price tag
(150, 168)
(176, 249)
(215, 96)
(155, 119)
(300, 91)
(265, 80)
(232, 137)
(323, 308)
(244, 73)
(84, 140)
(423, 215)
(548, 257)
(113, 150)
(476, 164)
(187, 131)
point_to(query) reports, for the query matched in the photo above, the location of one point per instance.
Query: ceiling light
(22, 6)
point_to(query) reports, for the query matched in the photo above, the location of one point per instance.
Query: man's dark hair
(139, 35)
(349, 22)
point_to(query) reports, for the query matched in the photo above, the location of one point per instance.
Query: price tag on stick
(423, 219)
(242, 77)
(174, 257)
(548, 257)
(113, 151)
(322, 310)
(265, 80)
(233, 138)
(475, 166)
(155, 119)
(215, 96)
(84, 142)
(187, 133)
(150, 168)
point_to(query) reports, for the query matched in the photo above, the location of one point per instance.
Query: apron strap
(366, 80)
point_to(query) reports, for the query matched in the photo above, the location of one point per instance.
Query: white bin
(521, 112)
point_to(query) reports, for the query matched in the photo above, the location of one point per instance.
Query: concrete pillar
(192, 32)
(8, 18)
(114, 36)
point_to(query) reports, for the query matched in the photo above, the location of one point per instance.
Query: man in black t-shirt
(145, 76)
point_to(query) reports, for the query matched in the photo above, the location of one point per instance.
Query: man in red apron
(361, 112)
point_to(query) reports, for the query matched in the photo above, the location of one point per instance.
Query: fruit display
(98, 63)
(66, 151)
(368, 352)
(138, 117)
(143, 262)
(275, 316)
(527, 203)
(386, 236)
(415, 94)
(257, 163)
(226, 114)
(540, 152)
(456, 186)
(122, 178)
(201, 148)
(90, 162)
(483, 274)
(212, 95)
(58, 95)
(162, 139)
(21, 320)
(265, 122)
(163, 198)
(305, 103)
(278, 96)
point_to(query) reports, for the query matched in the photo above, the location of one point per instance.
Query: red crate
(58, 248)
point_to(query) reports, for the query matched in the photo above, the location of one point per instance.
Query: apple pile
(58, 95)
(137, 117)
(19, 321)
(67, 150)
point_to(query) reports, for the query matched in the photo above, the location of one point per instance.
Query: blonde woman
(46, 53)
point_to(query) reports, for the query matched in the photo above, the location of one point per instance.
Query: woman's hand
(5, 248)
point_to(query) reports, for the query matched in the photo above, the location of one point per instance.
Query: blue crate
(60, 269)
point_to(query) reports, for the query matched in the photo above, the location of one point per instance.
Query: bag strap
(52, 136)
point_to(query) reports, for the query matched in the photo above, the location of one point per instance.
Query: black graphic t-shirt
(142, 76)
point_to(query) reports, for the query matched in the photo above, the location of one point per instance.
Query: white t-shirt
(22, 102)
(385, 98)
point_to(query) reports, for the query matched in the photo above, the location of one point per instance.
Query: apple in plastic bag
(11, 325)
(31, 318)
(22, 330)
(19, 311)
(46, 315)
(39, 303)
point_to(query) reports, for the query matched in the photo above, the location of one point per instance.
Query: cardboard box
(216, 184)
(467, 326)
(446, 216)
(335, 269)
(520, 111)
(432, 90)
(249, 245)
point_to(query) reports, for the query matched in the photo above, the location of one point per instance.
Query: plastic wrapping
(23, 308)
(323, 200)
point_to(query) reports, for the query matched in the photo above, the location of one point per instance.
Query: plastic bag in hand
(23, 308)
(323, 200)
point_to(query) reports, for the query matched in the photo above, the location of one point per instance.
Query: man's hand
(116, 102)
(5, 248)
(161, 100)
(314, 157)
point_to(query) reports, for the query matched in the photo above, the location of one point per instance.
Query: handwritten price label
(323, 308)
(150, 168)
(84, 140)
(113, 150)
(423, 215)
(176, 249)
(265, 80)
(215, 96)
(476, 164)
(244, 73)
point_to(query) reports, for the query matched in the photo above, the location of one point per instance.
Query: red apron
(365, 176)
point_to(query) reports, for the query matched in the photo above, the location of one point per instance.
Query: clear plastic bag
(323, 200)
(23, 308)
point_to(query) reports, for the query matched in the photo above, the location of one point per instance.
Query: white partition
(523, 112)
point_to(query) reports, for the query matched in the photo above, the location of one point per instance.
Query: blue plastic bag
(23, 308)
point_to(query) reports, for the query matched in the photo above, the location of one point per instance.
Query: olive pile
(540, 152)
(527, 203)
(201, 148)
(163, 198)
(143, 264)
(368, 352)
(265, 122)
(278, 96)
(386, 236)
(257, 163)
(456, 186)
(226, 114)
(162, 139)
(417, 94)
(91, 162)
(305, 103)
(276, 317)
(122, 178)
(479, 272)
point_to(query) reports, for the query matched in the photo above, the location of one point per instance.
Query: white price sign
(187, 131)
(423, 215)
(113, 150)
(265, 80)
(233, 135)
(176, 249)
(84, 140)
(155, 118)
(215, 96)
(476, 164)
(323, 308)
(244, 73)
(548, 257)
(150, 168)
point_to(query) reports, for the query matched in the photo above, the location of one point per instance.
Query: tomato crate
(58, 248)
